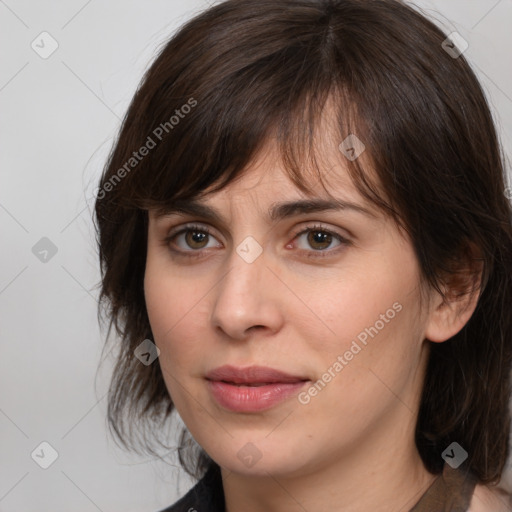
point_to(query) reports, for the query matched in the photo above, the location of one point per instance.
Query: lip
(253, 388)
(252, 375)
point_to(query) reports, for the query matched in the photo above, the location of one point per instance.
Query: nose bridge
(243, 298)
(243, 277)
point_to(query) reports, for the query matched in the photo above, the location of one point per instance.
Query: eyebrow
(276, 212)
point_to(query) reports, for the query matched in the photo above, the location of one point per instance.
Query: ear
(461, 289)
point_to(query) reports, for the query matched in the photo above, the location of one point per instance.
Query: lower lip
(252, 398)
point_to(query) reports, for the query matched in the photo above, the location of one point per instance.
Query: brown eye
(319, 240)
(196, 239)
(191, 239)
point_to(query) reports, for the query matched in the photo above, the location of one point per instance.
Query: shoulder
(490, 499)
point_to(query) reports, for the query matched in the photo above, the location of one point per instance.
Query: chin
(256, 459)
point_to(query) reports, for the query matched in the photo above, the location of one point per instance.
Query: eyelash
(321, 253)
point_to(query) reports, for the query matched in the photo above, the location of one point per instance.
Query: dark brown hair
(245, 72)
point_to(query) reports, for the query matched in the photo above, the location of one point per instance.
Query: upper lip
(251, 374)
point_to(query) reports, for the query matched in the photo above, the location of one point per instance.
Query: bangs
(306, 132)
(285, 96)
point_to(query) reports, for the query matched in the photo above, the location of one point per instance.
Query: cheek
(173, 318)
(377, 323)
(369, 302)
(177, 313)
(375, 326)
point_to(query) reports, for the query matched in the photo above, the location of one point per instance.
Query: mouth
(252, 376)
(248, 384)
(252, 389)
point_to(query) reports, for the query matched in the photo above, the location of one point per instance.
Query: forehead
(267, 176)
(266, 187)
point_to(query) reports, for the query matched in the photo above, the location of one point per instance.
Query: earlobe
(449, 314)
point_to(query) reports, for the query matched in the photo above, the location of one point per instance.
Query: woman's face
(328, 296)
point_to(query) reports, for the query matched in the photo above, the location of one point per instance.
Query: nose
(247, 299)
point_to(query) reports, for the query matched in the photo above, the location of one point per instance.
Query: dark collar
(206, 496)
(450, 492)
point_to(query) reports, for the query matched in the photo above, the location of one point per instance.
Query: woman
(306, 250)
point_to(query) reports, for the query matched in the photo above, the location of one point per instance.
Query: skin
(488, 499)
(298, 314)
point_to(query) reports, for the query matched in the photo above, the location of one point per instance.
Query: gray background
(58, 119)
